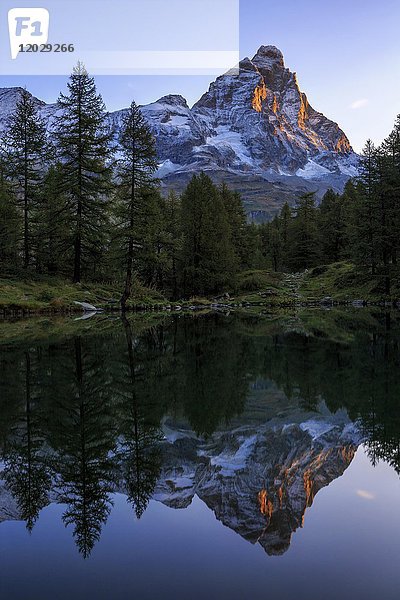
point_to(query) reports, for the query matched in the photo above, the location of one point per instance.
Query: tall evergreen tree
(135, 169)
(391, 189)
(364, 224)
(285, 219)
(237, 223)
(84, 148)
(331, 227)
(207, 251)
(271, 243)
(173, 239)
(304, 247)
(52, 226)
(151, 254)
(27, 153)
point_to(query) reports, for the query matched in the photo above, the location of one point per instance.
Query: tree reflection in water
(86, 415)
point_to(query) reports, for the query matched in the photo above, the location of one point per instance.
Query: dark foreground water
(214, 456)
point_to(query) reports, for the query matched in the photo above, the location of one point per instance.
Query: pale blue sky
(346, 54)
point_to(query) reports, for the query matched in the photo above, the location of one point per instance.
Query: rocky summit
(257, 121)
(254, 128)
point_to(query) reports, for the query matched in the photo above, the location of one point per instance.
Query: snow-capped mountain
(258, 478)
(254, 128)
(257, 121)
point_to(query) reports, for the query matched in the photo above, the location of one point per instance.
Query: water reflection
(252, 415)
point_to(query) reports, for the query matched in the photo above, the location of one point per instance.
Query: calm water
(201, 457)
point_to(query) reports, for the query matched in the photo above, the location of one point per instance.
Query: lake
(218, 456)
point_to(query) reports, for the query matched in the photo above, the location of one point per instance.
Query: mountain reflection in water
(251, 415)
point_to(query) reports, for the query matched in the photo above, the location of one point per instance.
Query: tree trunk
(26, 204)
(129, 276)
(78, 232)
(26, 233)
(129, 267)
(78, 245)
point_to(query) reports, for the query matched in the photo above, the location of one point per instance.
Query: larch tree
(363, 226)
(237, 222)
(285, 219)
(208, 255)
(173, 239)
(26, 148)
(84, 148)
(304, 248)
(331, 227)
(136, 167)
(53, 227)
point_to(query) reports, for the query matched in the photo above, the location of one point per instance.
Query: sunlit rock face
(252, 121)
(257, 121)
(275, 125)
(253, 129)
(258, 479)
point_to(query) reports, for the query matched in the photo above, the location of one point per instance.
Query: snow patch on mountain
(312, 170)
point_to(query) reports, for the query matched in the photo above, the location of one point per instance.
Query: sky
(346, 54)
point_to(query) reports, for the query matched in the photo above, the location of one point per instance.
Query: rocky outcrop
(262, 116)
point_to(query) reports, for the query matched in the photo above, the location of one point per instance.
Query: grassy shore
(48, 295)
(339, 283)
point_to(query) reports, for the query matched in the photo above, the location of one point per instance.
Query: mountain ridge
(254, 128)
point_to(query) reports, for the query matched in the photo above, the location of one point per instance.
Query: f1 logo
(27, 26)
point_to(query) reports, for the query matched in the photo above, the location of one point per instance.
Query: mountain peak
(271, 54)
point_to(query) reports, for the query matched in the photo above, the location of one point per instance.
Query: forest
(81, 203)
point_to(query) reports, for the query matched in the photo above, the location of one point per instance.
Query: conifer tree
(364, 219)
(173, 239)
(285, 219)
(136, 167)
(151, 258)
(83, 142)
(304, 248)
(255, 257)
(27, 153)
(271, 243)
(237, 222)
(349, 200)
(331, 227)
(275, 243)
(391, 189)
(207, 252)
(52, 229)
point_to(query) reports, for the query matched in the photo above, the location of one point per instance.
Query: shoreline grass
(337, 284)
